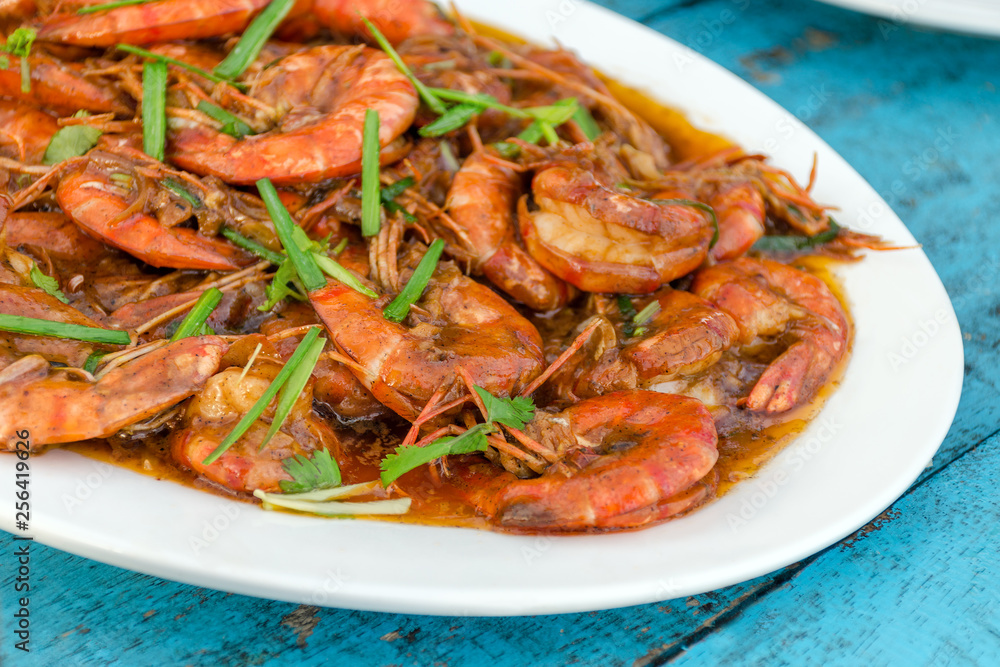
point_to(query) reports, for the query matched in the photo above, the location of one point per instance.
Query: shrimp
(467, 329)
(59, 86)
(481, 201)
(56, 234)
(94, 192)
(628, 459)
(601, 240)
(396, 19)
(161, 21)
(739, 208)
(56, 408)
(25, 131)
(319, 96)
(685, 336)
(213, 412)
(772, 302)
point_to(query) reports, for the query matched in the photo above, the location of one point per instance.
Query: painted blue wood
(913, 111)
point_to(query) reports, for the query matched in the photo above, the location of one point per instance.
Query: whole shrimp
(482, 201)
(465, 327)
(319, 97)
(59, 86)
(601, 240)
(626, 459)
(57, 407)
(775, 303)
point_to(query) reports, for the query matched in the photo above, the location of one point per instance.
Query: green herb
(196, 322)
(448, 155)
(19, 44)
(265, 399)
(452, 119)
(71, 141)
(231, 125)
(47, 284)
(587, 123)
(792, 243)
(508, 150)
(370, 199)
(698, 205)
(376, 507)
(282, 286)
(253, 39)
(319, 472)
(154, 109)
(305, 264)
(389, 194)
(181, 192)
(290, 392)
(513, 412)
(644, 316)
(214, 78)
(435, 104)
(333, 269)
(93, 9)
(400, 306)
(36, 327)
(124, 180)
(252, 246)
(405, 459)
(93, 361)
(627, 310)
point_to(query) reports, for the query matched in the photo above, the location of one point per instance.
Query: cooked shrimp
(627, 459)
(57, 408)
(601, 240)
(481, 201)
(772, 302)
(739, 208)
(468, 327)
(396, 19)
(213, 412)
(161, 21)
(320, 96)
(56, 234)
(96, 192)
(59, 86)
(686, 335)
(25, 131)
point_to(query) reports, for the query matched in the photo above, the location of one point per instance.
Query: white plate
(981, 17)
(871, 441)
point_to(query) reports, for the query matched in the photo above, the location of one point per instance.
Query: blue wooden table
(919, 585)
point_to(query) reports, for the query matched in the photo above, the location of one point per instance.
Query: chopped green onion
(252, 246)
(333, 269)
(214, 78)
(698, 205)
(644, 316)
(453, 119)
(390, 192)
(370, 199)
(196, 320)
(124, 180)
(556, 113)
(317, 478)
(305, 264)
(231, 124)
(375, 507)
(548, 132)
(253, 39)
(791, 243)
(46, 283)
(509, 150)
(19, 44)
(400, 306)
(531, 134)
(93, 9)
(627, 310)
(154, 109)
(93, 361)
(587, 123)
(433, 103)
(181, 192)
(36, 327)
(290, 392)
(339, 248)
(265, 399)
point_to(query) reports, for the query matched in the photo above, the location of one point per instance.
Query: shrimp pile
(548, 248)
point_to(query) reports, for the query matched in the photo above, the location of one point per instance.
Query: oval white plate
(860, 454)
(981, 17)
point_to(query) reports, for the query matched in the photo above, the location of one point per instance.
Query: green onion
(19, 44)
(93, 9)
(452, 119)
(290, 392)
(231, 124)
(214, 78)
(370, 200)
(435, 104)
(36, 327)
(253, 39)
(698, 205)
(390, 192)
(549, 132)
(93, 361)
(252, 246)
(531, 134)
(479, 99)
(627, 310)
(194, 323)
(258, 408)
(333, 269)
(154, 109)
(305, 264)
(380, 507)
(339, 248)
(181, 192)
(792, 243)
(587, 123)
(400, 306)
(448, 155)
(644, 316)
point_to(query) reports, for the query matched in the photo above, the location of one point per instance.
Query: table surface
(919, 585)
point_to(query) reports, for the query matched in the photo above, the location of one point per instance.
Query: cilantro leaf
(282, 285)
(513, 412)
(791, 243)
(47, 284)
(320, 472)
(69, 142)
(407, 458)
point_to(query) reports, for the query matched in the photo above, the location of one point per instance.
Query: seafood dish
(366, 258)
